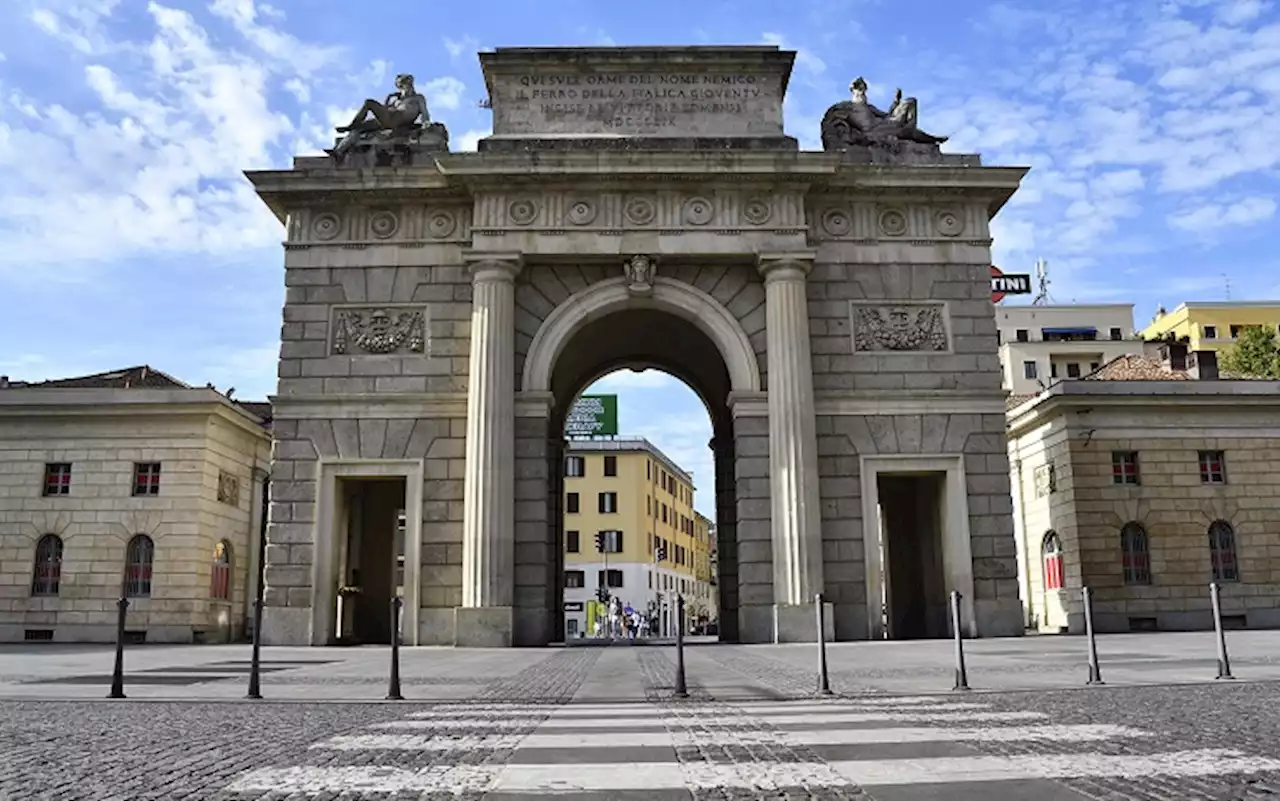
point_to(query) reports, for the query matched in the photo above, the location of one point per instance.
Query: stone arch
(669, 295)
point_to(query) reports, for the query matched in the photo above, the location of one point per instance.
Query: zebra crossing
(891, 748)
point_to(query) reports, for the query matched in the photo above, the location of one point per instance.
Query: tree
(1256, 353)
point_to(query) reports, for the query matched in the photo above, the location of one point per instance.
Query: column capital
(793, 265)
(493, 265)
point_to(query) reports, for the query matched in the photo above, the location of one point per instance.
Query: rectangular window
(607, 503)
(1210, 332)
(1029, 369)
(146, 478)
(648, 506)
(650, 540)
(572, 542)
(612, 541)
(611, 466)
(1022, 335)
(612, 577)
(1116, 334)
(651, 587)
(1213, 467)
(57, 478)
(1053, 369)
(664, 512)
(648, 473)
(575, 466)
(574, 579)
(1124, 467)
(1235, 331)
(1073, 370)
(1093, 367)
(571, 503)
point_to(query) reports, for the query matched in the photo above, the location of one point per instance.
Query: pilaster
(793, 444)
(488, 544)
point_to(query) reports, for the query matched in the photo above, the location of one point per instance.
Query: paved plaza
(600, 723)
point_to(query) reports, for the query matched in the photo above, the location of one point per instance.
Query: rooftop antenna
(1042, 279)
(1227, 284)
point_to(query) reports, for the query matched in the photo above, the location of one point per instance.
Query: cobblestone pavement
(541, 731)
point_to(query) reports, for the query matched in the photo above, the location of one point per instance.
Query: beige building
(1209, 325)
(129, 482)
(1040, 345)
(1145, 482)
(640, 503)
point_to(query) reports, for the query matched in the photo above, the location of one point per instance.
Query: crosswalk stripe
(643, 723)
(549, 779)
(575, 713)
(826, 736)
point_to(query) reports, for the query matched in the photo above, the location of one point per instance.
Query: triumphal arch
(638, 207)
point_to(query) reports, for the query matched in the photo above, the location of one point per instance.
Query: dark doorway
(915, 586)
(371, 567)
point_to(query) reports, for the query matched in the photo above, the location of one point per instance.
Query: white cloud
(1210, 217)
(1241, 11)
(469, 140)
(806, 59)
(445, 93)
(464, 47)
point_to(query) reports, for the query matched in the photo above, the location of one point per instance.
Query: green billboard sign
(593, 416)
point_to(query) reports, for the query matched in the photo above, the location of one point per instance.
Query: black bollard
(682, 690)
(962, 676)
(255, 674)
(1095, 672)
(393, 690)
(1224, 663)
(824, 681)
(117, 674)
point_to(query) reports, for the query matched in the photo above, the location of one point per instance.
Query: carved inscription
(666, 103)
(903, 327)
(378, 330)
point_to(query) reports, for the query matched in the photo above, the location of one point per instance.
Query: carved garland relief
(228, 489)
(902, 327)
(668, 210)
(362, 225)
(378, 330)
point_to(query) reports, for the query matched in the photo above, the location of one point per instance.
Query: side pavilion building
(640, 207)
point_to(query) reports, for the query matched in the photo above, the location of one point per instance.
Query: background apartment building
(1211, 326)
(642, 503)
(1145, 482)
(129, 483)
(1043, 344)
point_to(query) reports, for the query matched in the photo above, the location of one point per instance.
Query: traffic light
(602, 595)
(600, 542)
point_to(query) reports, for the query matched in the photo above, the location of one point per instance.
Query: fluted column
(488, 529)
(793, 441)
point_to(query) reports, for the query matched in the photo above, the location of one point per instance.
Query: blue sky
(129, 235)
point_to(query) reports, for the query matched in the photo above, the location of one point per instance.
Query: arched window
(1052, 554)
(220, 579)
(1135, 553)
(139, 557)
(48, 568)
(1222, 551)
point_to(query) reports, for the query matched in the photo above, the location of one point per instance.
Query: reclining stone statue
(397, 122)
(856, 122)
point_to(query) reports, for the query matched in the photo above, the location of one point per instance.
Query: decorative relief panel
(730, 211)
(899, 327)
(404, 224)
(378, 329)
(228, 489)
(872, 222)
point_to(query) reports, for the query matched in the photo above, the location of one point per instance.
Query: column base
(799, 623)
(483, 626)
(287, 625)
(998, 618)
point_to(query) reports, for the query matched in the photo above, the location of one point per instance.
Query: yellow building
(1145, 482)
(1211, 326)
(633, 500)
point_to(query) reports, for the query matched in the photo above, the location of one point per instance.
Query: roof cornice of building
(1173, 393)
(38, 401)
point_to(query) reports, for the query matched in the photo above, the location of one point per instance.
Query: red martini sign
(1008, 284)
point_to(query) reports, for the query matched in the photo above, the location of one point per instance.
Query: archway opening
(646, 514)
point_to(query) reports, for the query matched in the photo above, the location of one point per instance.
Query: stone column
(488, 530)
(796, 522)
